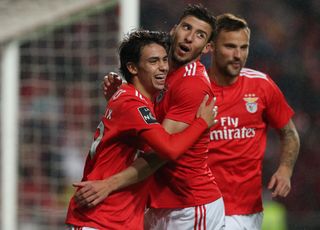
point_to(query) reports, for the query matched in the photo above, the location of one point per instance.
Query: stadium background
(61, 66)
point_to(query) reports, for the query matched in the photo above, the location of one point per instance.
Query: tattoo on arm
(290, 145)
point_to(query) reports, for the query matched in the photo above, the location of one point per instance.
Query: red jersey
(187, 181)
(238, 141)
(128, 121)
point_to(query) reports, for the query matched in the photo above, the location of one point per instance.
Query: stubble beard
(177, 61)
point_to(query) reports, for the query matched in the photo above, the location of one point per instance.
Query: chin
(159, 87)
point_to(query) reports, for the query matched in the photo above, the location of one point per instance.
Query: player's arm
(290, 143)
(90, 193)
(177, 137)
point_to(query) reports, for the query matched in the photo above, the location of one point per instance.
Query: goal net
(60, 106)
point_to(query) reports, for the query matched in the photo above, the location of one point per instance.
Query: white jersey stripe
(190, 69)
(194, 69)
(250, 73)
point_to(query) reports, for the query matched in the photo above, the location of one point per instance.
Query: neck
(174, 65)
(146, 93)
(220, 78)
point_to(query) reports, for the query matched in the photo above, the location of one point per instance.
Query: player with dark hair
(184, 194)
(129, 124)
(249, 101)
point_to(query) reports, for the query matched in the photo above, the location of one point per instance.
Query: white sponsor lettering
(231, 131)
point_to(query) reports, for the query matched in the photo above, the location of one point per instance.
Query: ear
(132, 68)
(207, 48)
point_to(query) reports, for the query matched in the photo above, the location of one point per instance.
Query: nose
(164, 66)
(189, 36)
(237, 53)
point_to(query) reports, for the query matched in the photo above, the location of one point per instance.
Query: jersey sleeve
(278, 111)
(171, 146)
(139, 119)
(137, 116)
(186, 98)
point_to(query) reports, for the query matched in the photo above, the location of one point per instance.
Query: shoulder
(128, 95)
(256, 77)
(195, 73)
(253, 74)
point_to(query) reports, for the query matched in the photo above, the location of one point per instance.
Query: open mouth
(184, 48)
(160, 77)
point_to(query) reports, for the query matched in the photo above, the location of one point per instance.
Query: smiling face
(230, 52)
(190, 39)
(151, 71)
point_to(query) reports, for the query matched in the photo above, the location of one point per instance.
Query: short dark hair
(229, 22)
(132, 44)
(200, 12)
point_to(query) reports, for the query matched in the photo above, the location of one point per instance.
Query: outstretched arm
(280, 183)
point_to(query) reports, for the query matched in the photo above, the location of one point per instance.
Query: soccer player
(127, 125)
(249, 102)
(184, 194)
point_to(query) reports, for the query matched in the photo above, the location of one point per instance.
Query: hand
(280, 184)
(208, 112)
(91, 193)
(111, 83)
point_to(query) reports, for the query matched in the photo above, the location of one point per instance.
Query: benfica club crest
(251, 103)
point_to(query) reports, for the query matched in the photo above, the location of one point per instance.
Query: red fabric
(238, 141)
(173, 146)
(187, 181)
(128, 120)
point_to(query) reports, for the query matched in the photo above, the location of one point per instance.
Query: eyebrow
(198, 30)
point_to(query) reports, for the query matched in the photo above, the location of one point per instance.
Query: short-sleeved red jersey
(238, 141)
(187, 181)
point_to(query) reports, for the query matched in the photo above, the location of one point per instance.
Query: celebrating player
(184, 194)
(128, 124)
(249, 101)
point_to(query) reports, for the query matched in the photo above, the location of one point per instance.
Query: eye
(186, 26)
(153, 60)
(201, 35)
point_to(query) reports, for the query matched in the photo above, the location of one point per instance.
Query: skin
(230, 51)
(280, 182)
(190, 40)
(151, 71)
